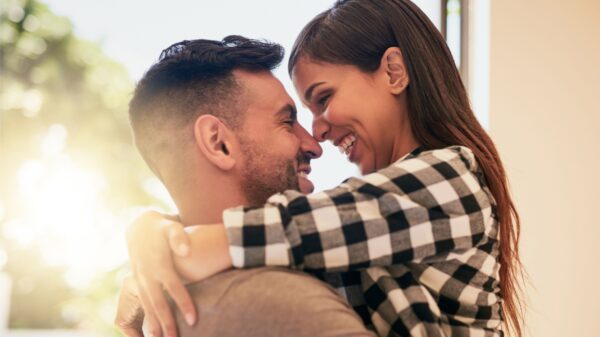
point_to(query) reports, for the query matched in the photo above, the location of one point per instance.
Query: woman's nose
(321, 129)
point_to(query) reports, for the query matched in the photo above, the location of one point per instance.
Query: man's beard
(264, 176)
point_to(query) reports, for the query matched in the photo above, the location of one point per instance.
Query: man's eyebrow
(308, 93)
(288, 109)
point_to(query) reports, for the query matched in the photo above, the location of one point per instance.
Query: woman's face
(356, 111)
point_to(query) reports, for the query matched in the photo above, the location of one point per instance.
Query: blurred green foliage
(48, 76)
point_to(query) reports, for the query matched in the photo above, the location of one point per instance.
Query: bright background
(70, 180)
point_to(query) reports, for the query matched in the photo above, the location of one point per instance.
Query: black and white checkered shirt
(412, 247)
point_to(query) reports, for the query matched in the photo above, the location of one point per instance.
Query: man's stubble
(265, 175)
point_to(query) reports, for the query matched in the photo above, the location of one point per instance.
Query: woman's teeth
(347, 144)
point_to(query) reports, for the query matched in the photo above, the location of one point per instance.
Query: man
(219, 130)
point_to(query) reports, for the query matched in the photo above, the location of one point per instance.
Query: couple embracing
(424, 243)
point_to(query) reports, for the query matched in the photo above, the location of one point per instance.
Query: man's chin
(305, 185)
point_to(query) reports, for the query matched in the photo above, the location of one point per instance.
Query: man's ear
(394, 69)
(214, 140)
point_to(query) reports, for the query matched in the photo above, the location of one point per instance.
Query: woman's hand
(129, 316)
(151, 241)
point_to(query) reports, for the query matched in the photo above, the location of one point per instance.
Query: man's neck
(207, 208)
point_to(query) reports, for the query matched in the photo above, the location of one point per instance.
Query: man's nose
(308, 144)
(321, 129)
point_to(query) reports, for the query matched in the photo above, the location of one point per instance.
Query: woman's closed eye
(322, 101)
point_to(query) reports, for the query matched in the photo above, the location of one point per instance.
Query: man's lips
(305, 185)
(304, 169)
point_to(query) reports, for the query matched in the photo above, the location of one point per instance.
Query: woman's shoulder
(420, 168)
(448, 176)
(456, 157)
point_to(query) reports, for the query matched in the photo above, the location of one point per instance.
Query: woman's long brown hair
(357, 32)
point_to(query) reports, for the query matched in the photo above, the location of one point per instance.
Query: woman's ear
(392, 64)
(215, 141)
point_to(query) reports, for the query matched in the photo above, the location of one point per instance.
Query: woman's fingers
(178, 238)
(138, 227)
(129, 316)
(130, 332)
(161, 307)
(182, 298)
(152, 241)
(150, 319)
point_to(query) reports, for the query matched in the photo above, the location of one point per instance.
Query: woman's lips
(352, 155)
(345, 143)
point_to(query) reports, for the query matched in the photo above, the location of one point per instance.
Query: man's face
(276, 149)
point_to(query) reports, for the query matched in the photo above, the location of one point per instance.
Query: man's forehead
(263, 91)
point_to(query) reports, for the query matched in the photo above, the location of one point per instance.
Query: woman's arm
(208, 254)
(163, 256)
(427, 204)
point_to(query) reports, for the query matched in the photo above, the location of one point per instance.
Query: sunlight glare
(65, 214)
(55, 140)
(2, 211)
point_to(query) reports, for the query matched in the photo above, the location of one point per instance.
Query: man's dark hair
(192, 78)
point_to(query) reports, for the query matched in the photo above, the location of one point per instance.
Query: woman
(429, 236)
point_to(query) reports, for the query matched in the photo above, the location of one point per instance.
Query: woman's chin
(365, 167)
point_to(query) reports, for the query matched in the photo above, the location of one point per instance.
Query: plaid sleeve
(421, 206)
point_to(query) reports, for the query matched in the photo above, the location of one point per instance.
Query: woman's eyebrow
(309, 92)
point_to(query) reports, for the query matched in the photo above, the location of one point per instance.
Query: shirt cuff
(256, 237)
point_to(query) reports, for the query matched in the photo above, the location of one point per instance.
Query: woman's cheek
(334, 114)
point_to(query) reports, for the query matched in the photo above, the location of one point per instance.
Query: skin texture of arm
(208, 254)
(155, 241)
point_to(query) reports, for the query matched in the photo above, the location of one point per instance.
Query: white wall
(545, 116)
